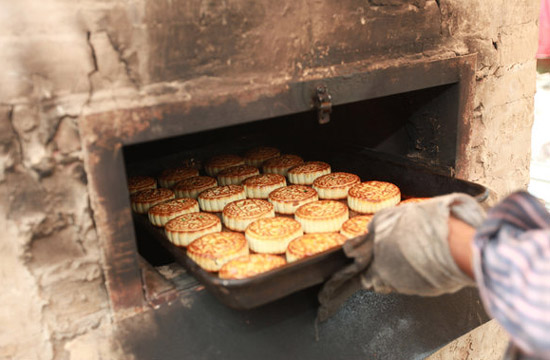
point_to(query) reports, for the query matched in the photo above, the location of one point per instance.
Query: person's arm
(426, 249)
(412, 252)
(461, 238)
(511, 262)
(406, 250)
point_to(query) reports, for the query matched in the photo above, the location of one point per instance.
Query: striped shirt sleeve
(512, 269)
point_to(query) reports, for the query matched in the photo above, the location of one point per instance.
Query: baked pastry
(236, 174)
(171, 177)
(289, 198)
(307, 173)
(161, 213)
(413, 200)
(143, 200)
(188, 227)
(260, 186)
(357, 225)
(372, 196)
(215, 199)
(257, 156)
(220, 162)
(237, 215)
(322, 216)
(250, 265)
(281, 164)
(192, 187)
(140, 183)
(311, 244)
(336, 185)
(212, 251)
(272, 235)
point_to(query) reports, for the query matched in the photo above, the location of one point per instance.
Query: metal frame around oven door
(105, 133)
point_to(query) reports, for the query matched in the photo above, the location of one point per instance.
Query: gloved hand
(410, 252)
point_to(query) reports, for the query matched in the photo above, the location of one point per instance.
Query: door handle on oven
(323, 103)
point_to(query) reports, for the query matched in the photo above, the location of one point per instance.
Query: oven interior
(404, 119)
(418, 126)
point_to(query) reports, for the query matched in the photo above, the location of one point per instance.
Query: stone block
(32, 134)
(98, 344)
(472, 19)
(24, 203)
(67, 138)
(60, 245)
(518, 12)
(517, 43)
(23, 336)
(502, 168)
(75, 306)
(113, 70)
(508, 84)
(52, 46)
(487, 55)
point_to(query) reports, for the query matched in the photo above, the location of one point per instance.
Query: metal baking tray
(413, 179)
(260, 289)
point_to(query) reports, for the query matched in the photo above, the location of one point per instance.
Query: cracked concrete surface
(95, 68)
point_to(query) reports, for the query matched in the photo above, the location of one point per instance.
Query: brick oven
(97, 88)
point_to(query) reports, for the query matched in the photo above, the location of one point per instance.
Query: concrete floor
(540, 144)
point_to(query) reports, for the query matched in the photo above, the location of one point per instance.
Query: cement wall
(62, 56)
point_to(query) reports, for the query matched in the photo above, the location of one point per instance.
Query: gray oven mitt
(409, 250)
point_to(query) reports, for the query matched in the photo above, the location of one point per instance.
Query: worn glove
(410, 252)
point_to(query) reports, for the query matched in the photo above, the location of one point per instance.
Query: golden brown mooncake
(260, 186)
(257, 156)
(312, 244)
(322, 216)
(188, 227)
(372, 196)
(161, 213)
(307, 173)
(140, 183)
(212, 251)
(220, 162)
(250, 265)
(289, 198)
(272, 235)
(237, 215)
(357, 225)
(192, 187)
(170, 177)
(281, 164)
(214, 199)
(145, 199)
(236, 174)
(336, 185)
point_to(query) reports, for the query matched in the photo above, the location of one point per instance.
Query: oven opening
(405, 123)
(417, 127)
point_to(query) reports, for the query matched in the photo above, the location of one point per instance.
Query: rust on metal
(323, 103)
(156, 289)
